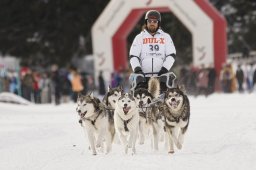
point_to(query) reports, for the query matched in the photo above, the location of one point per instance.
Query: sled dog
(110, 99)
(126, 120)
(176, 110)
(150, 118)
(95, 122)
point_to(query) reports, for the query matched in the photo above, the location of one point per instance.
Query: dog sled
(167, 78)
(135, 79)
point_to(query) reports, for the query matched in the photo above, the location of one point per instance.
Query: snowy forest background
(54, 31)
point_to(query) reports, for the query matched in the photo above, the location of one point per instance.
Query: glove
(138, 70)
(162, 71)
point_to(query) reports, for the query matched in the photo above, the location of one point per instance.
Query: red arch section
(119, 39)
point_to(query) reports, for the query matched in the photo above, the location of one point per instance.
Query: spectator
(113, 80)
(90, 82)
(233, 78)
(56, 84)
(27, 85)
(240, 78)
(202, 81)
(76, 82)
(249, 77)
(118, 79)
(211, 79)
(85, 82)
(1, 84)
(65, 86)
(226, 78)
(45, 88)
(13, 86)
(101, 81)
(254, 77)
(36, 89)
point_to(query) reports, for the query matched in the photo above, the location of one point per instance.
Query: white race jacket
(152, 52)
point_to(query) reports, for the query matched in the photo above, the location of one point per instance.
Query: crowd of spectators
(56, 85)
(233, 77)
(62, 85)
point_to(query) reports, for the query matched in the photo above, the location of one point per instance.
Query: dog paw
(98, 145)
(171, 152)
(133, 151)
(94, 153)
(141, 142)
(179, 146)
(126, 149)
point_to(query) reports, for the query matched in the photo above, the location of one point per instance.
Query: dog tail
(154, 87)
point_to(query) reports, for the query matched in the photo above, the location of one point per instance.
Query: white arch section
(111, 29)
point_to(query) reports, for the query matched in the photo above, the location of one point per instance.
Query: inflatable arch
(110, 31)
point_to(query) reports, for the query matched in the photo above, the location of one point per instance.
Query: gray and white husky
(95, 122)
(176, 110)
(126, 120)
(150, 119)
(110, 99)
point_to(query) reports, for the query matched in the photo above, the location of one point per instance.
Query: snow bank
(7, 97)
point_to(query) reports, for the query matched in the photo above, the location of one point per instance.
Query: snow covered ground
(221, 136)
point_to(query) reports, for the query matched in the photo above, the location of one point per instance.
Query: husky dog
(150, 118)
(176, 110)
(143, 98)
(112, 96)
(110, 99)
(126, 119)
(94, 121)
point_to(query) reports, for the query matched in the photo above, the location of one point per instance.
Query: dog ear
(120, 87)
(105, 100)
(109, 88)
(166, 92)
(79, 95)
(91, 95)
(182, 88)
(122, 95)
(149, 101)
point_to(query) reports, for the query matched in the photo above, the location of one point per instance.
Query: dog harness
(125, 123)
(109, 111)
(93, 121)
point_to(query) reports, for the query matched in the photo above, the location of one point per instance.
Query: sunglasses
(152, 21)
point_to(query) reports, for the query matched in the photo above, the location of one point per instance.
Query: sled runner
(167, 78)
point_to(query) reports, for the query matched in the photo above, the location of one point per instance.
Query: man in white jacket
(152, 51)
